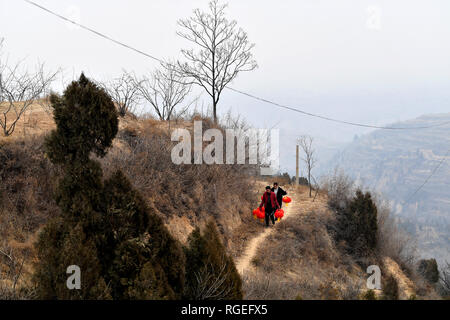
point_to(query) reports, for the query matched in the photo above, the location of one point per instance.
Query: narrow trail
(301, 205)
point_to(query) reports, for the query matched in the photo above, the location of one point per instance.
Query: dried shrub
(303, 261)
(390, 288)
(194, 191)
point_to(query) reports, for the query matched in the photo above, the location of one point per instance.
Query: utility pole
(296, 164)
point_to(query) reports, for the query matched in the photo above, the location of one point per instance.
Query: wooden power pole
(296, 165)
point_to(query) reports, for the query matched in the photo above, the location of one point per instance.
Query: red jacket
(266, 199)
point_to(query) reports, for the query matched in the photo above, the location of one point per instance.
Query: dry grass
(185, 196)
(26, 203)
(37, 120)
(300, 259)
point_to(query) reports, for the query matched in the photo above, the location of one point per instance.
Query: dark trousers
(270, 215)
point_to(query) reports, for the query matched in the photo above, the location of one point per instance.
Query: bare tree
(19, 89)
(305, 142)
(222, 51)
(13, 273)
(316, 187)
(164, 90)
(124, 91)
(445, 279)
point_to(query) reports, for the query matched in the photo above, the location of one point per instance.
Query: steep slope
(299, 259)
(184, 196)
(296, 257)
(396, 163)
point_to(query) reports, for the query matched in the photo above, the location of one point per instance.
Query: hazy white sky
(365, 61)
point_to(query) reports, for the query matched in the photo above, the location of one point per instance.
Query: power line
(332, 119)
(259, 98)
(429, 177)
(93, 31)
(229, 88)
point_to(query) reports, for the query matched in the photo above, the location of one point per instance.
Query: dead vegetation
(19, 90)
(26, 203)
(189, 193)
(300, 260)
(184, 195)
(303, 260)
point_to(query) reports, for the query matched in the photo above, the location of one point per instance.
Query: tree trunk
(215, 112)
(309, 182)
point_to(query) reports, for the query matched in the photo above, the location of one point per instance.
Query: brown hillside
(185, 196)
(298, 258)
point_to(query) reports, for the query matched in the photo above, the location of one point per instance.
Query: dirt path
(243, 263)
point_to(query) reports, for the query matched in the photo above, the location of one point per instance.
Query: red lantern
(286, 200)
(279, 214)
(260, 215)
(255, 213)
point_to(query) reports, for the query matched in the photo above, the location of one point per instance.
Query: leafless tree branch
(445, 278)
(223, 51)
(309, 158)
(210, 283)
(124, 91)
(19, 89)
(165, 90)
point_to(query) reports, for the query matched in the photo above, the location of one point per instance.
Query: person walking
(270, 203)
(279, 192)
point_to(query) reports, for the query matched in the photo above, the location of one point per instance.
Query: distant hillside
(396, 163)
